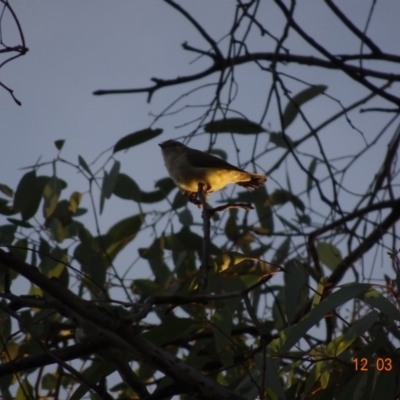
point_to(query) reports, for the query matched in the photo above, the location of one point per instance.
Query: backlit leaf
(329, 255)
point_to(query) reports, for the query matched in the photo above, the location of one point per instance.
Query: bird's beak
(161, 144)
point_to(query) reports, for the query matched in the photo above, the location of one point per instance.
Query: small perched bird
(188, 167)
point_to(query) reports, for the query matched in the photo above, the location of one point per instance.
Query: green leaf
(136, 138)
(146, 288)
(152, 197)
(354, 387)
(290, 336)
(110, 180)
(329, 255)
(358, 328)
(232, 231)
(93, 375)
(33, 260)
(74, 201)
(155, 256)
(325, 374)
(228, 259)
(49, 381)
(184, 259)
(234, 125)
(377, 300)
(90, 255)
(264, 211)
(5, 326)
(270, 368)
(53, 266)
(311, 171)
(193, 241)
(84, 165)
(281, 252)
(109, 183)
(6, 208)
(51, 195)
(59, 144)
(322, 284)
(185, 217)
(102, 197)
(62, 213)
(282, 196)
(179, 201)
(122, 233)
(7, 233)
(172, 328)
(25, 390)
(20, 249)
(166, 185)
(304, 219)
(280, 140)
(222, 321)
(18, 222)
(292, 108)
(295, 288)
(57, 231)
(319, 372)
(44, 250)
(126, 188)
(6, 190)
(126, 228)
(29, 194)
(386, 382)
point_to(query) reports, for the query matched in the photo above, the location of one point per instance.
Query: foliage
(277, 302)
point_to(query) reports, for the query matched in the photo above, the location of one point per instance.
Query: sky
(76, 48)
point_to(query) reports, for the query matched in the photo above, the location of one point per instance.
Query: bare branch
(363, 38)
(200, 29)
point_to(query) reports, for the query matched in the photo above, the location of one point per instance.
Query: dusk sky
(76, 48)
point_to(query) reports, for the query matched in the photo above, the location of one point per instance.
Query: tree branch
(354, 71)
(364, 38)
(374, 237)
(121, 335)
(358, 76)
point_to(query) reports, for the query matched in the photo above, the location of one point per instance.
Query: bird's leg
(192, 197)
(204, 190)
(202, 194)
(197, 197)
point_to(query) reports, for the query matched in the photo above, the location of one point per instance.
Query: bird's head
(172, 148)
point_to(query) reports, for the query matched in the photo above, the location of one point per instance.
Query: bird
(188, 167)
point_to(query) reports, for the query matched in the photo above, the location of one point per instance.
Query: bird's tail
(255, 181)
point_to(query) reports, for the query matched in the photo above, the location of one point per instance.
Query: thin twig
(207, 214)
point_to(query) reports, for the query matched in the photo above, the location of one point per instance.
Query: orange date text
(381, 364)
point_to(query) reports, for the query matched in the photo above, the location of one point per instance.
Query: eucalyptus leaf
(136, 138)
(234, 125)
(292, 108)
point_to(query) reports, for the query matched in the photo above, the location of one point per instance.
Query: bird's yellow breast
(187, 176)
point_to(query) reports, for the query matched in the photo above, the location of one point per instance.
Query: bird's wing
(200, 159)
